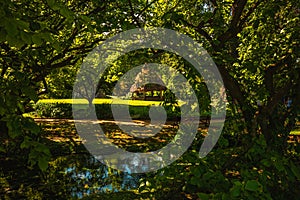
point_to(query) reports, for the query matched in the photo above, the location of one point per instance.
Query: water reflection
(83, 175)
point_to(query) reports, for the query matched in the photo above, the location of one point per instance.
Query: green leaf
(37, 39)
(203, 196)
(2, 34)
(14, 132)
(26, 37)
(2, 13)
(57, 46)
(46, 36)
(22, 24)
(66, 13)
(225, 196)
(42, 148)
(26, 143)
(31, 126)
(235, 191)
(148, 183)
(21, 107)
(52, 4)
(30, 92)
(266, 162)
(85, 19)
(252, 185)
(237, 183)
(14, 41)
(14, 127)
(11, 27)
(295, 170)
(279, 165)
(2, 149)
(34, 26)
(43, 164)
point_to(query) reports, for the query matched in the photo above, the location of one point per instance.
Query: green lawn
(52, 107)
(296, 131)
(102, 101)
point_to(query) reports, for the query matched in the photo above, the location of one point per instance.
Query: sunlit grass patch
(102, 101)
(296, 130)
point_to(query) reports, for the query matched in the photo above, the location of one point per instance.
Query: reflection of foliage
(72, 171)
(84, 176)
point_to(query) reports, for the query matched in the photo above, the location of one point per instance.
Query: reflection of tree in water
(84, 175)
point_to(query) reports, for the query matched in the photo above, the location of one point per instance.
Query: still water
(83, 175)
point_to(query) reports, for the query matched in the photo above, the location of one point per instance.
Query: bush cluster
(103, 111)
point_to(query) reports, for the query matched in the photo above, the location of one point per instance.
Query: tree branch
(61, 64)
(232, 85)
(271, 70)
(247, 15)
(132, 14)
(214, 2)
(199, 30)
(146, 7)
(237, 10)
(46, 88)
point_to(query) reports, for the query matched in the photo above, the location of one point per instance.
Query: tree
(255, 45)
(37, 38)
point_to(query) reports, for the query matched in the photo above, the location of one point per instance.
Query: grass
(62, 108)
(102, 101)
(296, 130)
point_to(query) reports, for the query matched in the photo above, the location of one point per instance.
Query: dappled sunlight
(83, 174)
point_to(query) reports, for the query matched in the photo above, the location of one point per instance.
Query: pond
(73, 173)
(75, 176)
(83, 175)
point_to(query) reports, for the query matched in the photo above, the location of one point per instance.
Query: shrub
(103, 111)
(54, 110)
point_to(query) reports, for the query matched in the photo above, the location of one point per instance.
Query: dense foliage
(255, 45)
